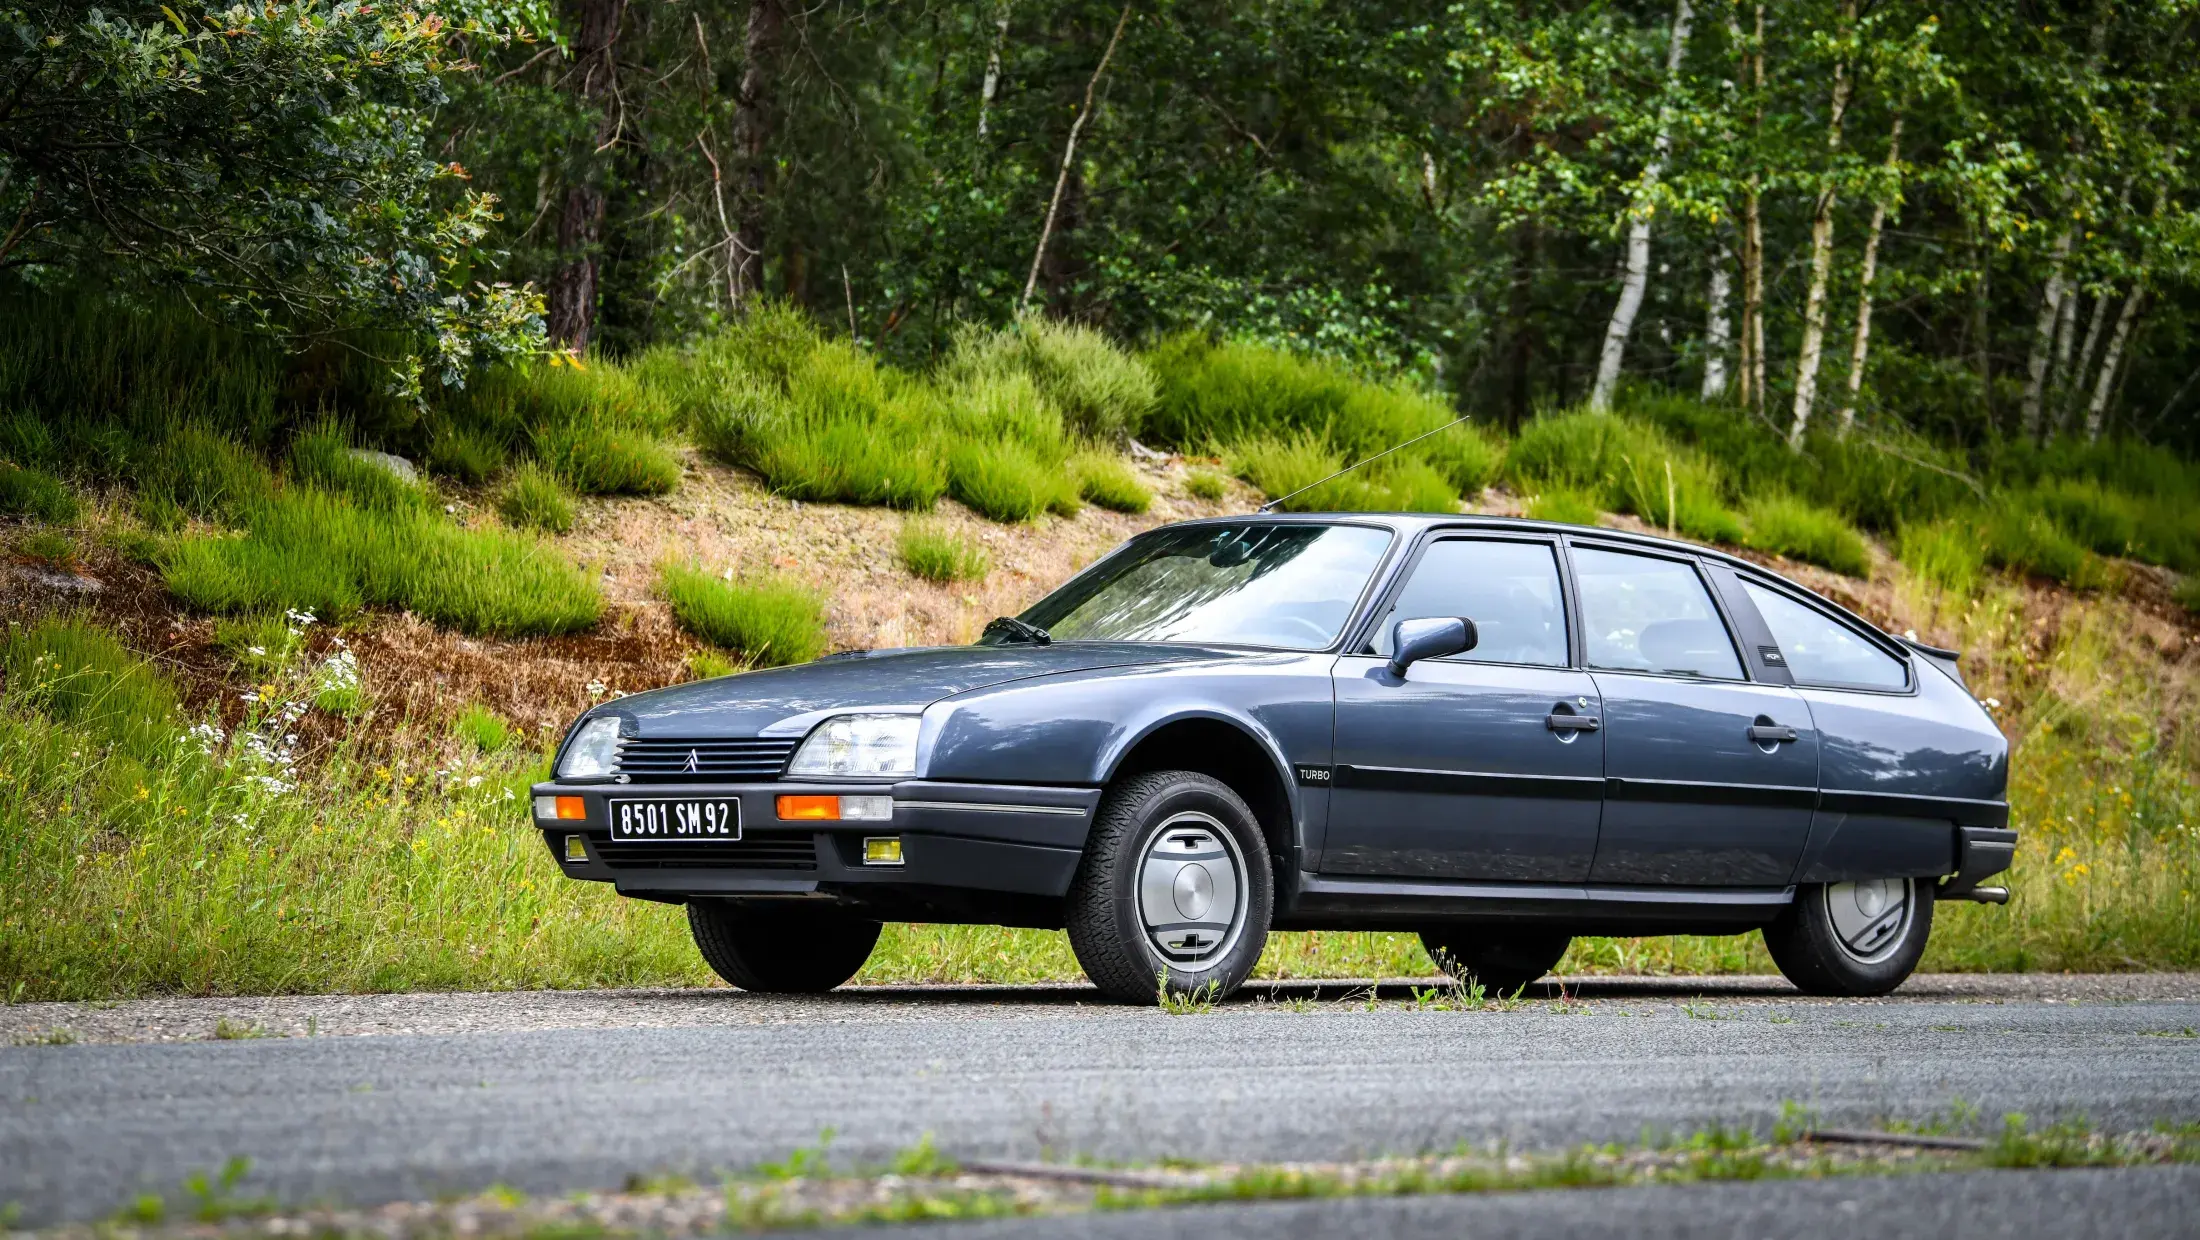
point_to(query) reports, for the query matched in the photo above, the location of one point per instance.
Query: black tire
(1500, 961)
(793, 951)
(1825, 953)
(1109, 928)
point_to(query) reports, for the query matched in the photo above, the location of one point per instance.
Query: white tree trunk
(1717, 330)
(1821, 259)
(2043, 339)
(1069, 160)
(1638, 228)
(2058, 379)
(2097, 408)
(1858, 350)
(992, 84)
(2071, 385)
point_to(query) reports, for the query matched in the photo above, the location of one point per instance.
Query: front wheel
(1853, 939)
(793, 951)
(1174, 890)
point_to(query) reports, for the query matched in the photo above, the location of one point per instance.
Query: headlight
(860, 745)
(594, 751)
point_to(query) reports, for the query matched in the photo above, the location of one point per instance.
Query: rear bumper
(1004, 839)
(1981, 853)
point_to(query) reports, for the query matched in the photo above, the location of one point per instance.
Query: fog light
(572, 808)
(882, 850)
(810, 809)
(576, 848)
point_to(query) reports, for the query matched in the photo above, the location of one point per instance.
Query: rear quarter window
(1821, 650)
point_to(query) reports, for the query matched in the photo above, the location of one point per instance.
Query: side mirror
(1431, 638)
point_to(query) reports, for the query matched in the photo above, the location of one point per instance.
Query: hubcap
(1870, 919)
(1191, 889)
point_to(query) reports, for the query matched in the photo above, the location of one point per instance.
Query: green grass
(1945, 553)
(937, 554)
(260, 644)
(1563, 504)
(1626, 465)
(1105, 479)
(52, 548)
(322, 457)
(318, 552)
(75, 672)
(1298, 462)
(469, 455)
(198, 471)
(601, 458)
(1785, 525)
(1007, 482)
(533, 497)
(1099, 391)
(482, 728)
(1206, 484)
(2187, 593)
(36, 494)
(769, 621)
(2025, 539)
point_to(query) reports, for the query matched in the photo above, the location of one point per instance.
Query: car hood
(788, 700)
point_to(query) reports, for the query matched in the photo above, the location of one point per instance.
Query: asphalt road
(1007, 1074)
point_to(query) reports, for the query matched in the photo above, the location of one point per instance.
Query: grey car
(1498, 734)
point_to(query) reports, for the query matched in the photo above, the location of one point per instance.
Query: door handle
(1572, 723)
(1772, 734)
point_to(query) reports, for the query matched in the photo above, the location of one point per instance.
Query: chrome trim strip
(992, 807)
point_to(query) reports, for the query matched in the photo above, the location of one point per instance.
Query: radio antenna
(1271, 504)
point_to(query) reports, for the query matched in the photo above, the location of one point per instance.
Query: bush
(1005, 481)
(514, 404)
(2024, 539)
(469, 455)
(1946, 553)
(322, 457)
(931, 551)
(77, 672)
(2102, 520)
(533, 497)
(604, 458)
(1099, 391)
(314, 551)
(834, 429)
(1785, 525)
(1625, 466)
(482, 728)
(52, 548)
(1282, 465)
(36, 494)
(710, 665)
(1206, 484)
(1105, 479)
(197, 471)
(1564, 505)
(770, 621)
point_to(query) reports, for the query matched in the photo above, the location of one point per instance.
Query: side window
(1820, 649)
(1509, 589)
(1640, 613)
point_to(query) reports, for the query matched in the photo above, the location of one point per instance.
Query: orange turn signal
(572, 807)
(812, 809)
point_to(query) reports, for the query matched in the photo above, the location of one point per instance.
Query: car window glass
(1640, 613)
(1509, 589)
(1820, 649)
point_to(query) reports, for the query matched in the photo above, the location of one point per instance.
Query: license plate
(675, 821)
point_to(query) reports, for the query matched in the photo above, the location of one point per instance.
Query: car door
(1710, 778)
(1485, 765)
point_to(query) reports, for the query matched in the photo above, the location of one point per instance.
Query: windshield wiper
(1010, 626)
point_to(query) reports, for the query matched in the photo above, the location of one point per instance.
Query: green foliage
(532, 496)
(709, 665)
(1099, 391)
(514, 403)
(1625, 465)
(262, 644)
(1785, 525)
(2187, 593)
(2024, 539)
(469, 455)
(1105, 479)
(322, 457)
(1565, 505)
(2102, 520)
(1008, 482)
(482, 728)
(768, 620)
(36, 494)
(599, 458)
(314, 551)
(53, 548)
(933, 552)
(197, 470)
(75, 672)
(1206, 484)
(1945, 552)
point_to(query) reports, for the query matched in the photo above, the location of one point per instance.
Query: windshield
(1253, 584)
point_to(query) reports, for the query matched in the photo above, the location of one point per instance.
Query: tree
(1642, 203)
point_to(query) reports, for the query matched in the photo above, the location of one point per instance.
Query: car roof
(1410, 523)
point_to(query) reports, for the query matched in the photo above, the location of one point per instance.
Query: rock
(402, 468)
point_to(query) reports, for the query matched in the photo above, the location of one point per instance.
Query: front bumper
(973, 837)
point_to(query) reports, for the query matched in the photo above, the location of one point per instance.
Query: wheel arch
(1227, 749)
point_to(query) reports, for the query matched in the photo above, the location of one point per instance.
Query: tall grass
(1626, 466)
(1785, 525)
(935, 553)
(768, 620)
(36, 494)
(77, 673)
(602, 458)
(532, 496)
(1099, 391)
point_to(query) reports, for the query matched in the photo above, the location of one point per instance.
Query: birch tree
(1821, 240)
(1643, 205)
(1889, 188)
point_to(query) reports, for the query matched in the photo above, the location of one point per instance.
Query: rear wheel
(1500, 963)
(1859, 938)
(1174, 890)
(795, 951)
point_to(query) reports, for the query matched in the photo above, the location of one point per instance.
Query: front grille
(762, 852)
(660, 760)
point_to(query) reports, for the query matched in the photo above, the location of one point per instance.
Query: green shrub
(1412, 485)
(1785, 525)
(469, 455)
(199, 471)
(1946, 552)
(1279, 466)
(1564, 505)
(1005, 481)
(836, 429)
(322, 457)
(2024, 539)
(77, 672)
(514, 404)
(318, 552)
(53, 548)
(36, 494)
(27, 440)
(604, 458)
(261, 644)
(709, 665)
(935, 553)
(1206, 484)
(2103, 520)
(482, 728)
(2187, 593)
(1105, 479)
(1626, 466)
(532, 496)
(768, 620)
(1099, 391)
